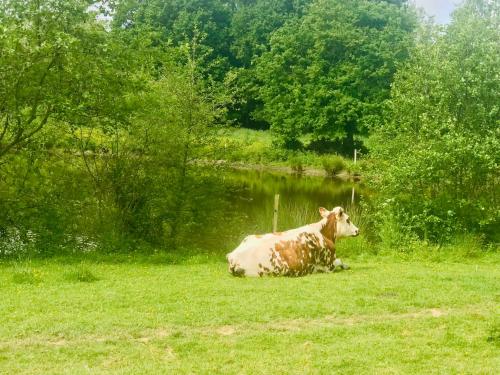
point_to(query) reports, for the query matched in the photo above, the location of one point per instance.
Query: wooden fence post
(275, 212)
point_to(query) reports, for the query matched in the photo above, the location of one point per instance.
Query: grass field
(381, 317)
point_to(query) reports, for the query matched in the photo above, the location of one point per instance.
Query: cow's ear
(338, 211)
(323, 212)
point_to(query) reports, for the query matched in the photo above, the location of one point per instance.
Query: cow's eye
(348, 221)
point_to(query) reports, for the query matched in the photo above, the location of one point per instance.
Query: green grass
(383, 316)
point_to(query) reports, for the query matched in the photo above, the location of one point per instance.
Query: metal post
(355, 155)
(352, 196)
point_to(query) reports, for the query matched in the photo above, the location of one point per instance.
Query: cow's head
(339, 221)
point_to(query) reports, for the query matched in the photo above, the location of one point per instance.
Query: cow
(296, 252)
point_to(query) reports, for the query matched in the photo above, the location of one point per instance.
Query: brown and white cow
(296, 252)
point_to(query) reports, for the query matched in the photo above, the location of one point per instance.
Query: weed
(494, 334)
(80, 273)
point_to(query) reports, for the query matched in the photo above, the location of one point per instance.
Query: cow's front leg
(339, 264)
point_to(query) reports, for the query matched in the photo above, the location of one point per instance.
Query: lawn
(381, 317)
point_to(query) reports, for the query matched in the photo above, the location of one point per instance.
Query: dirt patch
(327, 321)
(60, 342)
(436, 313)
(226, 331)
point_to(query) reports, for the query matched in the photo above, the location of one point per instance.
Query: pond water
(248, 204)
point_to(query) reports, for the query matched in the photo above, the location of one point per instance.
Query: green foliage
(252, 26)
(109, 129)
(110, 163)
(333, 164)
(243, 146)
(178, 22)
(57, 64)
(251, 146)
(177, 124)
(253, 22)
(440, 152)
(328, 73)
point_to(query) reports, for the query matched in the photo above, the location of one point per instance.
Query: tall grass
(293, 215)
(297, 164)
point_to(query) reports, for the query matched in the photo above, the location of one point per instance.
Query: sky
(440, 9)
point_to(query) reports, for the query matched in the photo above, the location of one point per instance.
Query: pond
(246, 204)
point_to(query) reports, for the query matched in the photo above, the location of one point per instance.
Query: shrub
(439, 153)
(333, 164)
(16, 243)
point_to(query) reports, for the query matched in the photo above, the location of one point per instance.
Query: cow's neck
(329, 227)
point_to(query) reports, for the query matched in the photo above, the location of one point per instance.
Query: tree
(155, 181)
(252, 24)
(63, 76)
(57, 63)
(176, 22)
(440, 150)
(328, 73)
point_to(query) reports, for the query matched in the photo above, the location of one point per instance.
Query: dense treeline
(107, 109)
(315, 72)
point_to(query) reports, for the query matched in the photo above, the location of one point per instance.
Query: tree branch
(5, 127)
(19, 138)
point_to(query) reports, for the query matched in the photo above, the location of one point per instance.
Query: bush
(333, 164)
(16, 243)
(439, 154)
